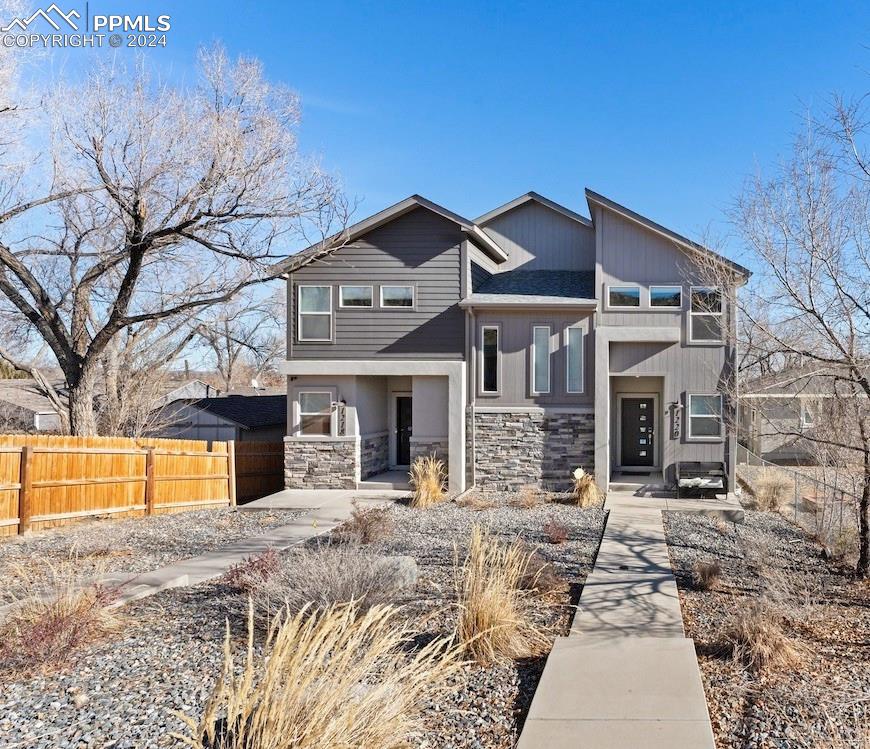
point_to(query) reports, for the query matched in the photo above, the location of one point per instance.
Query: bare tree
(152, 203)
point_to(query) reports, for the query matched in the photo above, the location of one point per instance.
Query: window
(574, 353)
(808, 414)
(705, 315)
(397, 296)
(670, 297)
(315, 313)
(705, 416)
(489, 359)
(541, 359)
(315, 412)
(623, 296)
(355, 296)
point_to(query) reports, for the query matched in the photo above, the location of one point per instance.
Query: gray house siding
(419, 248)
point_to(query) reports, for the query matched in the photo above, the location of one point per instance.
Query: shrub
(758, 640)
(366, 525)
(771, 491)
(335, 678)
(539, 577)
(49, 621)
(253, 572)
(427, 481)
(494, 611)
(586, 492)
(555, 532)
(706, 575)
(331, 574)
(528, 497)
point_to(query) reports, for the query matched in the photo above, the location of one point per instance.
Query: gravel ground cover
(119, 694)
(824, 703)
(128, 545)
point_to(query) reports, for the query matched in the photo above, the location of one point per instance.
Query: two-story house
(517, 346)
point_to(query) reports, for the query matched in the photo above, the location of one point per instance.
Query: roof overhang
(532, 196)
(517, 301)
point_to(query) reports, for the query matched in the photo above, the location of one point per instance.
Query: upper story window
(540, 359)
(355, 296)
(489, 359)
(314, 321)
(666, 297)
(705, 416)
(705, 314)
(574, 355)
(623, 296)
(808, 414)
(397, 296)
(315, 413)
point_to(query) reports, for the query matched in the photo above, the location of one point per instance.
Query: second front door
(637, 426)
(403, 430)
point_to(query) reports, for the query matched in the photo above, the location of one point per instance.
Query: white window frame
(689, 417)
(568, 360)
(720, 314)
(342, 305)
(813, 415)
(298, 413)
(482, 389)
(639, 304)
(299, 313)
(665, 286)
(533, 351)
(410, 286)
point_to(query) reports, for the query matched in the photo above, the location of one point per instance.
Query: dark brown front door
(637, 425)
(403, 430)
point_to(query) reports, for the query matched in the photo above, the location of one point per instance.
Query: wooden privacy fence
(48, 480)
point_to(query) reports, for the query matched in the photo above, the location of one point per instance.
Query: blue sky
(665, 107)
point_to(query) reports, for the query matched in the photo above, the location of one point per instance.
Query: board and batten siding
(419, 248)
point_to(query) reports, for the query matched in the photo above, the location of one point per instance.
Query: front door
(403, 430)
(637, 425)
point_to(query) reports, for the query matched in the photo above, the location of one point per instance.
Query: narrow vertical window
(541, 359)
(489, 351)
(574, 349)
(705, 314)
(314, 321)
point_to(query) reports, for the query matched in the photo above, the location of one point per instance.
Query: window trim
(719, 314)
(804, 411)
(705, 437)
(299, 313)
(639, 288)
(582, 390)
(298, 413)
(533, 351)
(498, 360)
(342, 287)
(667, 308)
(411, 286)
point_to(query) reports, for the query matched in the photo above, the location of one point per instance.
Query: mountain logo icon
(48, 15)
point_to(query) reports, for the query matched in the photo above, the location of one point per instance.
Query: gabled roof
(249, 411)
(594, 198)
(339, 240)
(26, 395)
(539, 288)
(532, 196)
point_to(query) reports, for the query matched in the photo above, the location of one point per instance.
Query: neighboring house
(23, 407)
(244, 418)
(517, 347)
(190, 390)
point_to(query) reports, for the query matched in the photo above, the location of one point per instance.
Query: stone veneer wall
(428, 445)
(374, 454)
(532, 447)
(320, 464)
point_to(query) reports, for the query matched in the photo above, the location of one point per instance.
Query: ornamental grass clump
(337, 677)
(495, 601)
(427, 481)
(586, 492)
(758, 641)
(771, 491)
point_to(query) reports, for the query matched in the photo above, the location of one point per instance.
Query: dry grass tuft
(758, 641)
(366, 525)
(771, 491)
(333, 678)
(527, 497)
(55, 615)
(494, 624)
(253, 572)
(539, 577)
(586, 492)
(556, 533)
(477, 502)
(720, 525)
(427, 480)
(706, 575)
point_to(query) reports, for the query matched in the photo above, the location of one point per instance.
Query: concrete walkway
(626, 675)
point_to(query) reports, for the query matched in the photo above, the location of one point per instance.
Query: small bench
(697, 474)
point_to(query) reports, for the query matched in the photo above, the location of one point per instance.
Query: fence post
(25, 493)
(797, 498)
(231, 471)
(150, 481)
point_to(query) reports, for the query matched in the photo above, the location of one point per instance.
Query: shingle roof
(251, 411)
(25, 394)
(546, 283)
